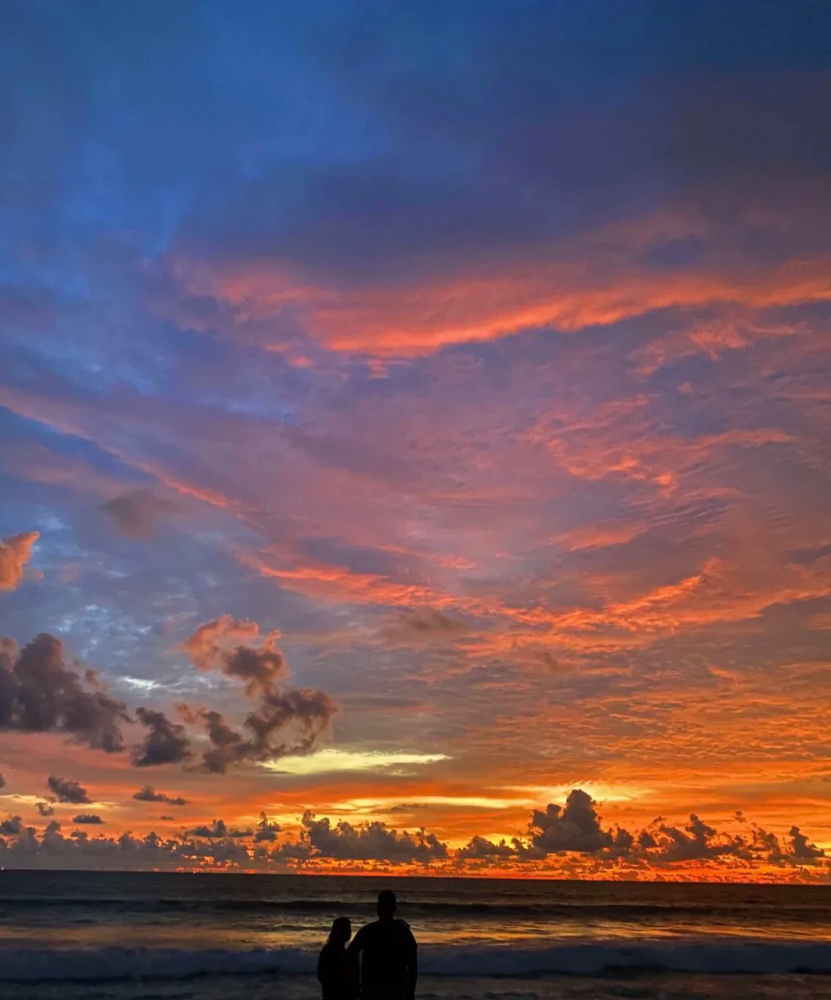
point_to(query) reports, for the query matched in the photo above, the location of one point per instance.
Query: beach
(137, 936)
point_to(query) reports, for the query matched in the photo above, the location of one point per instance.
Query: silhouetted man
(388, 955)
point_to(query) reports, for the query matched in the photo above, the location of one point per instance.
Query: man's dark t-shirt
(388, 950)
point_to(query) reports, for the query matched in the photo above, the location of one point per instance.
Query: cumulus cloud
(479, 848)
(45, 809)
(218, 830)
(25, 849)
(696, 841)
(575, 827)
(216, 645)
(227, 745)
(218, 843)
(266, 831)
(166, 742)
(148, 794)
(138, 512)
(211, 640)
(2, 781)
(12, 827)
(15, 552)
(285, 721)
(40, 692)
(370, 842)
(288, 722)
(66, 790)
(801, 847)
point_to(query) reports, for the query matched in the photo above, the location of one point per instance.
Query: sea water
(129, 936)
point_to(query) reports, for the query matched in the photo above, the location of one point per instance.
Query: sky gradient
(416, 416)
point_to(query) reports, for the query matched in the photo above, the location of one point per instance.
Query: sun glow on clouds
(516, 433)
(487, 802)
(330, 761)
(602, 791)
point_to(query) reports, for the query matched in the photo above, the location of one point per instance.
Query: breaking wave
(590, 959)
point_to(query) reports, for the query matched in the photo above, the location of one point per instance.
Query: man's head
(386, 904)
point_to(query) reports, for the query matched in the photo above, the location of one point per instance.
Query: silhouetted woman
(335, 967)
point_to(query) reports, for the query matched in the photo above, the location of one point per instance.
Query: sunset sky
(414, 412)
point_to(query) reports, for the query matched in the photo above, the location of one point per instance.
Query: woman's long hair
(341, 930)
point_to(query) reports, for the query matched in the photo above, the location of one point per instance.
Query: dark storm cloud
(66, 790)
(2, 781)
(370, 842)
(88, 819)
(166, 742)
(148, 794)
(138, 512)
(40, 692)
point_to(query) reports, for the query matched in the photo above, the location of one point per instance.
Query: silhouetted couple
(380, 964)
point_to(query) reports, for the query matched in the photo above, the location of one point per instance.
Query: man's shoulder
(405, 930)
(362, 933)
(381, 928)
(368, 931)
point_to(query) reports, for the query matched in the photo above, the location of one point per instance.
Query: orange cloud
(596, 281)
(340, 584)
(15, 552)
(599, 536)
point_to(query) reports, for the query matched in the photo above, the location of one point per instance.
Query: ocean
(156, 936)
